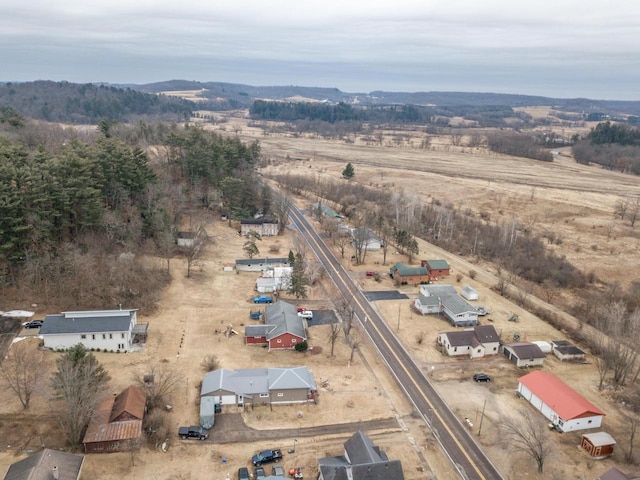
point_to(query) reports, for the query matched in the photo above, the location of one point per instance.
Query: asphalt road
(466, 456)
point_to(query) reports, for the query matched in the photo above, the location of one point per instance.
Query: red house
(283, 328)
(437, 268)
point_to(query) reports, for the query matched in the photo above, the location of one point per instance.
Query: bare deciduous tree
(23, 370)
(159, 382)
(210, 363)
(530, 435)
(334, 332)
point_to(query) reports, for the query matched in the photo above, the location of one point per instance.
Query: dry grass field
(574, 201)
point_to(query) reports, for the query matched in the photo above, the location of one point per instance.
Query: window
(104, 336)
(83, 336)
(294, 340)
(111, 336)
(279, 340)
(264, 395)
(281, 394)
(93, 336)
(122, 335)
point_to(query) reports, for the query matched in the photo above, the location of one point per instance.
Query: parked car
(193, 432)
(267, 456)
(243, 473)
(308, 314)
(277, 470)
(300, 309)
(263, 299)
(370, 273)
(34, 324)
(258, 473)
(481, 377)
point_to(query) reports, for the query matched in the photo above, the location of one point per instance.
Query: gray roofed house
(362, 460)
(109, 330)
(459, 312)
(41, 466)
(476, 342)
(259, 264)
(260, 386)
(283, 328)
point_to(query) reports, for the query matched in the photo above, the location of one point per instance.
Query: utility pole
(482, 418)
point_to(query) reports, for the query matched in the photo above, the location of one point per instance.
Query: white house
(444, 298)
(275, 279)
(426, 305)
(563, 406)
(111, 330)
(476, 342)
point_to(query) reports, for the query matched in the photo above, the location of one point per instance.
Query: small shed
(565, 350)
(598, 445)
(469, 293)
(186, 239)
(544, 346)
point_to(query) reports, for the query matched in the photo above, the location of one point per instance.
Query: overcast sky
(561, 48)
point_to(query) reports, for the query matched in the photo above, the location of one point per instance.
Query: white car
(306, 314)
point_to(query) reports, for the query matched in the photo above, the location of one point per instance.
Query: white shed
(469, 293)
(544, 346)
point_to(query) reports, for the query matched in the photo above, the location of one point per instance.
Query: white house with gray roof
(445, 299)
(258, 386)
(110, 330)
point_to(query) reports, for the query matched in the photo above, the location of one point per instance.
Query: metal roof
(257, 380)
(437, 264)
(284, 318)
(565, 401)
(598, 439)
(98, 321)
(101, 430)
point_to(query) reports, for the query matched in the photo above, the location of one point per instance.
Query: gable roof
(96, 321)
(525, 350)
(460, 339)
(486, 333)
(437, 265)
(362, 461)
(132, 400)
(599, 439)
(478, 335)
(443, 290)
(565, 401)
(40, 465)
(404, 271)
(254, 381)
(457, 305)
(100, 429)
(284, 318)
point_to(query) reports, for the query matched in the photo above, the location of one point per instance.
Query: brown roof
(525, 350)
(132, 401)
(100, 429)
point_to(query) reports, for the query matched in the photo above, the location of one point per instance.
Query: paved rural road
(465, 454)
(235, 430)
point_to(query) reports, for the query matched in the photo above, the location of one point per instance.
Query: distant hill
(244, 95)
(89, 103)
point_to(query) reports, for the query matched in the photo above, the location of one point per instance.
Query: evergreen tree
(348, 171)
(299, 279)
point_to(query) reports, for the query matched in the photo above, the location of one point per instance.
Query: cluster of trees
(611, 145)
(88, 103)
(518, 145)
(312, 113)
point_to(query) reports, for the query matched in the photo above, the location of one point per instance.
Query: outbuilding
(563, 406)
(437, 268)
(469, 293)
(524, 354)
(598, 445)
(565, 350)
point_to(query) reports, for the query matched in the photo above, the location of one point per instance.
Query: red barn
(437, 268)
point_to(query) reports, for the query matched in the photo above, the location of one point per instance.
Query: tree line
(612, 146)
(88, 103)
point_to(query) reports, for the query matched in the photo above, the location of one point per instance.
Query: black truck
(193, 432)
(266, 456)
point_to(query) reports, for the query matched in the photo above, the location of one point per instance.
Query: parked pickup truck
(262, 299)
(266, 456)
(193, 432)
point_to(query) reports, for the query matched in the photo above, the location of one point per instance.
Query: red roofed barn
(566, 408)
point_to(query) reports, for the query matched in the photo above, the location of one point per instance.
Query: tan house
(263, 226)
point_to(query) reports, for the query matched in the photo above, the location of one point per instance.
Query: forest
(611, 145)
(78, 217)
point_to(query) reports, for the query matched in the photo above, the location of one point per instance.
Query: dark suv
(481, 377)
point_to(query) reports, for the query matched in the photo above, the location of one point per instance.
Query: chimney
(55, 472)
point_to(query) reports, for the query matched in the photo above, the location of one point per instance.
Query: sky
(561, 48)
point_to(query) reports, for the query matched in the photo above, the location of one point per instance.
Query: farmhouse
(565, 350)
(459, 312)
(403, 274)
(263, 226)
(116, 425)
(259, 386)
(476, 342)
(437, 268)
(109, 330)
(362, 460)
(524, 354)
(563, 406)
(260, 264)
(598, 445)
(47, 464)
(283, 328)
